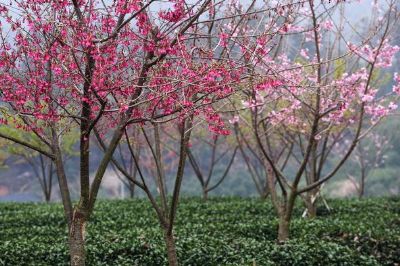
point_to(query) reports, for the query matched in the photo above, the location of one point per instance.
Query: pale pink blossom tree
(310, 99)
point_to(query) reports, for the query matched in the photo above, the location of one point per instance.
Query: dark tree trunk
(77, 240)
(131, 188)
(205, 194)
(361, 193)
(47, 197)
(171, 250)
(362, 185)
(131, 191)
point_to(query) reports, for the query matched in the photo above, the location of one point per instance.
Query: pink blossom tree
(102, 67)
(212, 71)
(310, 98)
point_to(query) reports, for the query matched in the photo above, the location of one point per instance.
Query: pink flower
(396, 87)
(234, 120)
(304, 53)
(223, 39)
(367, 98)
(327, 25)
(392, 106)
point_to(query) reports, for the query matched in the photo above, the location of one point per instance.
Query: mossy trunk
(264, 195)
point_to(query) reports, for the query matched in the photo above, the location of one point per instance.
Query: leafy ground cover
(222, 231)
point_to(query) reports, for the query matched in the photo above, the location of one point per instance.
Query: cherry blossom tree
(214, 69)
(100, 67)
(105, 68)
(311, 97)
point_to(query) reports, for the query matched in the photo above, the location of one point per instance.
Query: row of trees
(214, 164)
(140, 79)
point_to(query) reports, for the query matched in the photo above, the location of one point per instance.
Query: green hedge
(223, 231)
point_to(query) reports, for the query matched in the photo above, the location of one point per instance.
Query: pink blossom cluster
(382, 53)
(289, 93)
(44, 66)
(176, 14)
(396, 87)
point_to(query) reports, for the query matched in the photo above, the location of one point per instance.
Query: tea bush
(222, 231)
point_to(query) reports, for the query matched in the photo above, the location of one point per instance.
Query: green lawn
(223, 231)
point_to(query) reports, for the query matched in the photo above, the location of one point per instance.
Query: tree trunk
(77, 241)
(361, 194)
(311, 202)
(47, 197)
(264, 195)
(131, 190)
(285, 217)
(205, 194)
(362, 186)
(283, 230)
(171, 250)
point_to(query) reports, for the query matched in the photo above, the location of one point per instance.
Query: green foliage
(223, 231)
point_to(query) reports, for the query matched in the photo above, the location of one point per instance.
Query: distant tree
(42, 167)
(258, 168)
(204, 166)
(123, 158)
(371, 153)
